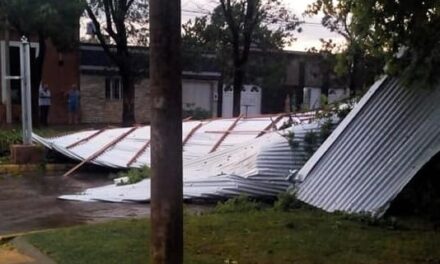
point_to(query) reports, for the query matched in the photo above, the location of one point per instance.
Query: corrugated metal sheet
(376, 150)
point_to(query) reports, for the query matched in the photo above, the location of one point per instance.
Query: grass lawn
(266, 236)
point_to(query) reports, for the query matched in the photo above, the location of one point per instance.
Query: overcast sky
(308, 38)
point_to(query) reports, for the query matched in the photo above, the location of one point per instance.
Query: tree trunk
(220, 97)
(325, 81)
(166, 132)
(299, 92)
(353, 75)
(128, 115)
(238, 84)
(36, 78)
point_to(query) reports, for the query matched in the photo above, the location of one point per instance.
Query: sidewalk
(19, 251)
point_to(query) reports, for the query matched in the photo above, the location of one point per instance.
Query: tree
(407, 32)
(350, 57)
(47, 19)
(123, 22)
(237, 26)
(403, 33)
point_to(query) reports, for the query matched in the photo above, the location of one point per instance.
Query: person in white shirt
(44, 98)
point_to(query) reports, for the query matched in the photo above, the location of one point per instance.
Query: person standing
(44, 101)
(73, 97)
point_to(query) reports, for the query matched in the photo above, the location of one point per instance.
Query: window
(113, 88)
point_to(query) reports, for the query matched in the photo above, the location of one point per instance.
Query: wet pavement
(30, 203)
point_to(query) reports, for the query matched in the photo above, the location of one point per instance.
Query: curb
(9, 237)
(24, 168)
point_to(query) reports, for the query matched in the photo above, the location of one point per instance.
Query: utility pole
(166, 132)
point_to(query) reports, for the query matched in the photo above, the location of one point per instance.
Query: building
(101, 90)
(60, 71)
(204, 89)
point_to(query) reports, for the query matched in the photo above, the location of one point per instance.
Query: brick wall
(95, 108)
(60, 71)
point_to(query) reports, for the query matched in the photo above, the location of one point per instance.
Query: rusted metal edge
(237, 131)
(272, 124)
(191, 133)
(102, 150)
(139, 153)
(86, 138)
(219, 142)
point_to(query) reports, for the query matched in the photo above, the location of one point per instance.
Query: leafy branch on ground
(133, 175)
(287, 201)
(196, 113)
(290, 136)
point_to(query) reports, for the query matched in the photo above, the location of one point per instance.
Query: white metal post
(26, 91)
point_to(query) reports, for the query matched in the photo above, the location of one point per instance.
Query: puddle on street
(30, 202)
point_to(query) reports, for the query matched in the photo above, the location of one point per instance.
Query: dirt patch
(12, 256)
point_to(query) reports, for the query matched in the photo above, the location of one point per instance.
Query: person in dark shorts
(73, 97)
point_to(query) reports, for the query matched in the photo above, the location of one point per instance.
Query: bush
(368, 219)
(239, 204)
(7, 138)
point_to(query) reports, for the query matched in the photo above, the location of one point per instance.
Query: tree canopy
(405, 33)
(57, 20)
(120, 23)
(236, 27)
(408, 32)
(352, 58)
(52, 19)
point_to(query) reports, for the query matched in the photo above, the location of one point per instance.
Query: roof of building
(95, 61)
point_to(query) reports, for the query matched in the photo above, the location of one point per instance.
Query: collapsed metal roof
(222, 157)
(375, 151)
(258, 168)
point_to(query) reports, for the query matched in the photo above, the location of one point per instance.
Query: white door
(197, 95)
(250, 102)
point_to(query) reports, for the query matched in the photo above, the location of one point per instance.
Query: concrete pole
(26, 107)
(166, 132)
